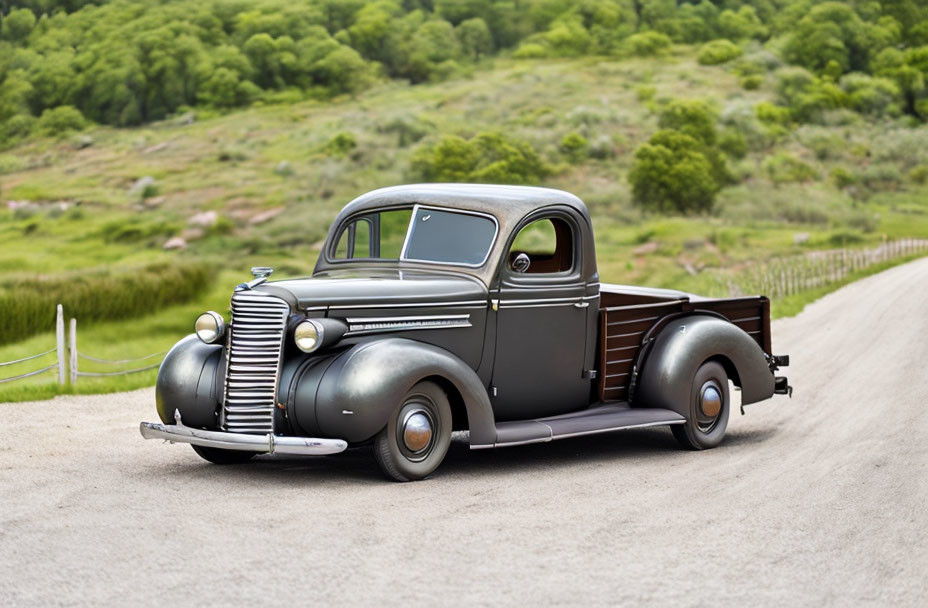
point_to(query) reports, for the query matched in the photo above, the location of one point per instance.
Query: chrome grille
(258, 323)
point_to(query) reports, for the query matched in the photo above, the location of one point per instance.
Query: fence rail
(62, 363)
(24, 359)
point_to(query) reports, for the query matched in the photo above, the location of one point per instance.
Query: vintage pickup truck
(444, 307)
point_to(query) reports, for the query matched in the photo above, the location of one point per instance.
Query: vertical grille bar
(258, 322)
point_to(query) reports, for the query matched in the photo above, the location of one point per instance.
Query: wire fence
(70, 363)
(781, 277)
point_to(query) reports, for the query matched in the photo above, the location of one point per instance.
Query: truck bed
(631, 315)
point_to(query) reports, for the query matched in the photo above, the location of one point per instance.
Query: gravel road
(817, 500)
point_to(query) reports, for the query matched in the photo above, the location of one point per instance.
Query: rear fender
(351, 395)
(680, 348)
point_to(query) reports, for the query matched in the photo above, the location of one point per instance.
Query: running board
(597, 419)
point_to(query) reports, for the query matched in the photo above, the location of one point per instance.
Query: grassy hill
(260, 186)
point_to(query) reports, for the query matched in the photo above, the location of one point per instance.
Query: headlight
(210, 327)
(308, 335)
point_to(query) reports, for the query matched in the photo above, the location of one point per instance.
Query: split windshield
(422, 234)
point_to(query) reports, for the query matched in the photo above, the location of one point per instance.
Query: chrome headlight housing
(309, 335)
(210, 327)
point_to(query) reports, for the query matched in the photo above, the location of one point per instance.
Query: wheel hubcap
(709, 406)
(417, 431)
(711, 402)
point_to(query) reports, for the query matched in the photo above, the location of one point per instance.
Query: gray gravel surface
(818, 500)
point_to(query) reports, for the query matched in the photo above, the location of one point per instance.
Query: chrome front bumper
(178, 433)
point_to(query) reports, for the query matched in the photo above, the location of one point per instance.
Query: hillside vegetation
(705, 137)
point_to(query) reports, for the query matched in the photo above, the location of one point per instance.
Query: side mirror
(520, 263)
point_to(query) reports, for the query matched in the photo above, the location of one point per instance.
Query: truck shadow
(357, 466)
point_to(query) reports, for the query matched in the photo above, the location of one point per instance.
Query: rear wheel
(708, 412)
(220, 456)
(417, 435)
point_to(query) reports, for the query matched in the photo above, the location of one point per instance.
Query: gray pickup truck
(444, 307)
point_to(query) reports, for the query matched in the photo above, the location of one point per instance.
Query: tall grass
(27, 304)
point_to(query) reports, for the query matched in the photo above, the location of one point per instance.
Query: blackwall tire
(220, 456)
(403, 449)
(705, 427)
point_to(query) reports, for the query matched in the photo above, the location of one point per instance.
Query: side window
(374, 236)
(545, 246)
(355, 241)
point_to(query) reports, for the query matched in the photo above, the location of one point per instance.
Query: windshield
(423, 234)
(450, 237)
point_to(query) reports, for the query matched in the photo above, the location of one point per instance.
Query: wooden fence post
(72, 334)
(59, 335)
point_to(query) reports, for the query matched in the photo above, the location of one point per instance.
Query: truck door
(542, 311)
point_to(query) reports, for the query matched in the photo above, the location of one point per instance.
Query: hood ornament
(260, 274)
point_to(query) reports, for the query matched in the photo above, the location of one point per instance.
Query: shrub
(530, 50)
(341, 144)
(137, 231)
(881, 177)
(806, 95)
(489, 157)
(15, 128)
(842, 178)
(646, 44)
(783, 168)
(869, 95)
(718, 51)
(691, 116)
(670, 174)
(776, 119)
(575, 147)
(919, 174)
(602, 147)
(751, 82)
(60, 121)
(645, 92)
(733, 143)
(408, 129)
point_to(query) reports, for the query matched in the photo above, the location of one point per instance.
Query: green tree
(690, 116)
(475, 38)
(17, 25)
(669, 174)
(741, 24)
(487, 158)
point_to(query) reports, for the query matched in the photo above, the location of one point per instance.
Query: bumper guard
(178, 433)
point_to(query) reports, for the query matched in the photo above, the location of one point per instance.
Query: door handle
(581, 304)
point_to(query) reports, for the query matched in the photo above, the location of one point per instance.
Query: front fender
(351, 395)
(190, 380)
(667, 374)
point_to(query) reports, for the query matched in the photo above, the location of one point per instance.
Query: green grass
(28, 303)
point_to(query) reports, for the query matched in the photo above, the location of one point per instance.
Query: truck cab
(443, 307)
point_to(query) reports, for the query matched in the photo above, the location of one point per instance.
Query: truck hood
(350, 288)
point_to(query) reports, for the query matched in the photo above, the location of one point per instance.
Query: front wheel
(221, 456)
(417, 435)
(709, 406)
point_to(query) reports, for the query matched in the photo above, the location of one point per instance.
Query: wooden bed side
(623, 328)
